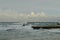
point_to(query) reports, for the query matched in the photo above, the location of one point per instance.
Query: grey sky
(31, 5)
(49, 7)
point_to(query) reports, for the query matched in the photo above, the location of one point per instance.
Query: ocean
(19, 32)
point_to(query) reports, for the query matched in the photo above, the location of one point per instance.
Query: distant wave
(10, 29)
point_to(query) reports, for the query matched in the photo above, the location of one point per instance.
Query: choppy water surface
(18, 32)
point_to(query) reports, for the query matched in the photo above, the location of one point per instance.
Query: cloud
(10, 15)
(42, 14)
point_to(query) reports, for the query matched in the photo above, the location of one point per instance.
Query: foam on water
(11, 27)
(19, 32)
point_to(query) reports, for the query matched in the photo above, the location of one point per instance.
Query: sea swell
(19, 32)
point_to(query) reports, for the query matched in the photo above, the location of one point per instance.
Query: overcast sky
(29, 10)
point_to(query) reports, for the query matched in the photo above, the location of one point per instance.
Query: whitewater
(19, 32)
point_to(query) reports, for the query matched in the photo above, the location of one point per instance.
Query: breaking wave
(19, 32)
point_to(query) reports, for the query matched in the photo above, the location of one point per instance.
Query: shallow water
(18, 32)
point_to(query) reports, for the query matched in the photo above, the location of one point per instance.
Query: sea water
(19, 32)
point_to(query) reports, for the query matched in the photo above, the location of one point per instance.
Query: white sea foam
(19, 32)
